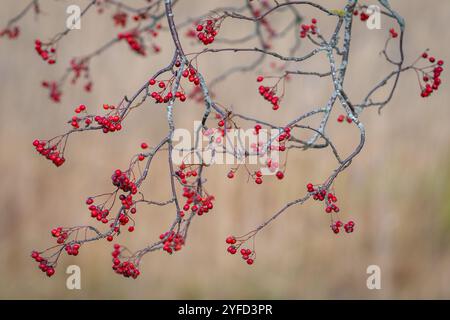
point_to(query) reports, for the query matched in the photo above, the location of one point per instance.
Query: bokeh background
(397, 190)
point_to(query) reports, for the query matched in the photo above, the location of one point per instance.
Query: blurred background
(397, 190)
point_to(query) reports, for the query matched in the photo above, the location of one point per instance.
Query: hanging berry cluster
(72, 250)
(120, 19)
(348, 227)
(393, 33)
(46, 52)
(208, 30)
(195, 202)
(270, 93)
(44, 265)
(431, 75)
(363, 15)
(97, 212)
(49, 151)
(110, 122)
(330, 207)
(342, 117)
(234, 245)
(125, 268)
(59, 234)
(11, 33)
(134, 41)
(172, 241)
(306, 29)
(76, 119)
(122, 181)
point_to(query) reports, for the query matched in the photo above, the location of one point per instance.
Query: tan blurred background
(397, 190)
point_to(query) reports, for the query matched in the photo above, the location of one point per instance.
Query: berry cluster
(49, 151)
(43, 264)
(55, 93)
(60, 235)
(76, 120)
(306, 29)
(330, 207)
(341, 118)
(431, 79)
(363, 16)
(122, 181)
(125, 268)
(393, 33)
(120, 19)
(172, 241)
(191, 74)
(11, 33)
(195, 202)
(183, 173)
(72, 250)
(207, 31)
(269, 94)
(97, 212)
(134, 41)
(234, 245)
(321, 195)
(109, 123)
(348, 227)
(164, 95)
(46, 52)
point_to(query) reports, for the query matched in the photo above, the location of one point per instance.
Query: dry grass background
(397, 190)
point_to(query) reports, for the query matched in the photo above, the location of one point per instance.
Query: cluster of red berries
(122, 181)
(432, 80)
(269, 94)
(348, 227)
(282, 138)
(207, 31)
(191, 74)
(196, 203)
(72, 250)
(321, 195)
(247, 254)
(341, 118)
(183, 174)
(55, 93)
(161, 96)
(331, 206)
(141, 156)
(172, 241)
(125, 268)
(47, 54)
(109, 123)
(43, 264)
(134, 41)
(393, 33)
(330, 200)
(97, 212)
(363, 16)
(60, 235)
(75, 122)
(11, 33)
(123, 220)
(50, 152)
(306, 29)
(258, 176)
(120, 19)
